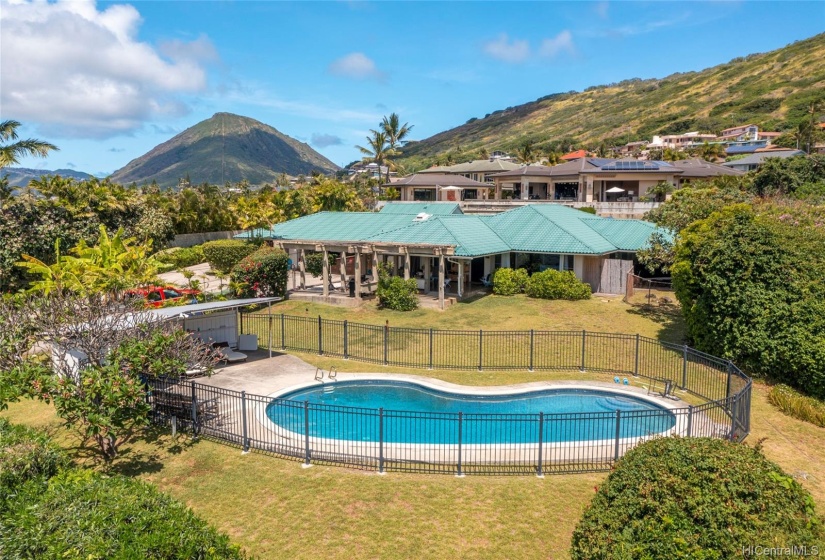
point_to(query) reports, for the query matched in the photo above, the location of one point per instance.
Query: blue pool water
(349, 410)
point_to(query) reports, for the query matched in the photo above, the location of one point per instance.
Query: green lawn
(601, 314)
(276, 509)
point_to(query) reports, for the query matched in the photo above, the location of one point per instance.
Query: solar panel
(631, 166)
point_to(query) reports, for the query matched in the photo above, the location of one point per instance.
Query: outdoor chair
(487, 281)
(230, 356)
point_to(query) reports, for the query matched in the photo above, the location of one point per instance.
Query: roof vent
(422, 217)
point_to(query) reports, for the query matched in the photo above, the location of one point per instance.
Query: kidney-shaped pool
(404, 412)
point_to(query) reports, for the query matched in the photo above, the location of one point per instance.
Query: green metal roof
(537, 228)
(549, 229)
(415, 208)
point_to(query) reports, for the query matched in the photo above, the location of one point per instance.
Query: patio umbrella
(614, 190)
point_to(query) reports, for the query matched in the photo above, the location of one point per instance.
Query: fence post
(727, 388)
(381, 440)
(480, 349)
(531, 348)
(584, 342)
(733, 407)
(540, 474)
(320, 337)
(386, 342)
(346, 339)
(270, 336)
(307, 462)
(431, 349)
(194, 411)
(283, 332)
(690, 421)
(636, 365)
(684, 366)
(618, 434)
(459, 473)
(243, 423)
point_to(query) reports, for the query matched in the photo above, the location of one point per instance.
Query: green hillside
(225, 148)
(773, 90)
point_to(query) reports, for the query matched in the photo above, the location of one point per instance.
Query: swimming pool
(404, 412)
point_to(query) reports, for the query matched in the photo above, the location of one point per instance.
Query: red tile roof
(578, 154)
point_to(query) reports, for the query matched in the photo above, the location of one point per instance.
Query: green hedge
(263, 273)
(181, 257)
(509, 282)
(223, 254)
(26, 455)
(694, 498)
(554, 284)
(85, 514)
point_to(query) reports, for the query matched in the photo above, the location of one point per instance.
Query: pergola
(401, 253)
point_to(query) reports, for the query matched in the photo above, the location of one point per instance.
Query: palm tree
(525, 152)
(378, 150)
(484, 153)
(10, 153)
(395, 134)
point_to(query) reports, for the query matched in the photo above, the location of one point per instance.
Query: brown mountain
(225, 148)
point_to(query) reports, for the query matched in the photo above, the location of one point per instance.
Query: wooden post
(460, 278)
(357, 272)
(342, 269)
(302, 268)
(325, 273)
(374, 265)
(406, 264)
(441, 281)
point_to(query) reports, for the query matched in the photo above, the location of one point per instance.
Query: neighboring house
(573, 156)
(753, 161)
(769, 136)
(435, 245)
(741, 133)
(600, 179)
(440, 187)
(416, 208)
(369, 170)
(682, 141)
(480, 170)
(632, 147)
(746, 147)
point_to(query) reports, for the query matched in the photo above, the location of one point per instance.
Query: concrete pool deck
(265, 376)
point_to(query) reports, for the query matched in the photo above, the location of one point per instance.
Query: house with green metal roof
(447, 251)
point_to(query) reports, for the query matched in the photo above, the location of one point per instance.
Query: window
(153, 297)
(171, 294)
(423, 194)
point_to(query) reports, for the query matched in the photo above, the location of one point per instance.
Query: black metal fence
(393, 440)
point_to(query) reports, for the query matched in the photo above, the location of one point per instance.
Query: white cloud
(563, 42)
(357, 66)
(78, 71)
(325, 140)
(508, 51)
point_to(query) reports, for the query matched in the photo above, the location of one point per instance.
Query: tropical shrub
(224, 254)
(750, 286)
(554, 284)
(509, 282)
(314, 263)
(793, 403)
(587, 209)
(396, 293)
(181, 257)
(263, 273)
(85, 514)
(694, 498)
(28, 455)
(785, 176)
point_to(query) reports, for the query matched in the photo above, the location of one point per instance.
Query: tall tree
(378, 150)
(11, 152)
(396, 133)
(525, 152)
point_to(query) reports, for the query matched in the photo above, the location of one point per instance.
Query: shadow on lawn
(135, 460)
(669, 316)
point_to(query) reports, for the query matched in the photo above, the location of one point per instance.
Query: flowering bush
(262, 274)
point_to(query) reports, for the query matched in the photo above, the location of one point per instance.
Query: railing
(391, 440)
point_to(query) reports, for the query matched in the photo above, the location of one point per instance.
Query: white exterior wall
(578, 267)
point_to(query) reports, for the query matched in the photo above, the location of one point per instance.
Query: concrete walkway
(203, 273)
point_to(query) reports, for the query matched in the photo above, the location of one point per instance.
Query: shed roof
(759, 157)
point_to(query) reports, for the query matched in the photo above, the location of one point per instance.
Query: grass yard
(276, 509)
(492, 312)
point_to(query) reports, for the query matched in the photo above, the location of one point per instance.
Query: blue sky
(108, 81)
